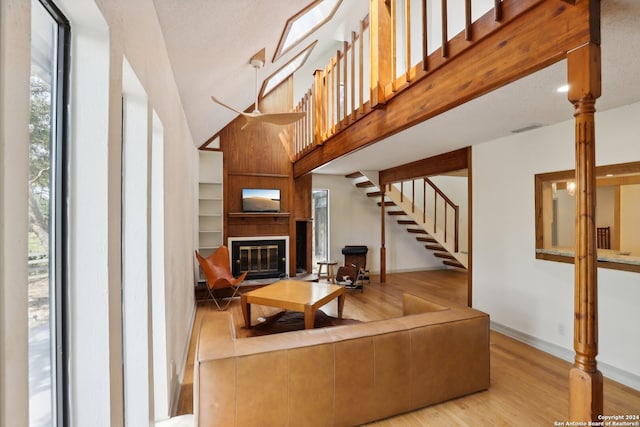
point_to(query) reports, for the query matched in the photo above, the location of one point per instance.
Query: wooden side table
(331, 275)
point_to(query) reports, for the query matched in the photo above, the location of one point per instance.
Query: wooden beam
(436, 165)
(536, 37)
(585, 380)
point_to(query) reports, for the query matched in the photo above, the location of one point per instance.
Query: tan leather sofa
(340, 376)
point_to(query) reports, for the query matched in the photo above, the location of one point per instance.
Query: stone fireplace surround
(262, 256)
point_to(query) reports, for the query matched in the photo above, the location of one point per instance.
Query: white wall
(355, 220)
(15, 24)
(135, 32)
(535, 297)
(99, 44)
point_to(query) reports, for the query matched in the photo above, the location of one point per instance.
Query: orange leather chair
(217, 271)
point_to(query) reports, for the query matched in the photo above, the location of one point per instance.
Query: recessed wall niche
(617, 210)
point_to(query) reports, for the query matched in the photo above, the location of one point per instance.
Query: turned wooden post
(383, 250)
(585, 381)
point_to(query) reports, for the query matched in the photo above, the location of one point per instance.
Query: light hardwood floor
(528, 387)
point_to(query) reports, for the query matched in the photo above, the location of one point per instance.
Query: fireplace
(261, 257)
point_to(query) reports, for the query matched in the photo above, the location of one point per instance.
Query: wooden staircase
(431, 242)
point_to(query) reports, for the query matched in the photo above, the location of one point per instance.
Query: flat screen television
(260, 200)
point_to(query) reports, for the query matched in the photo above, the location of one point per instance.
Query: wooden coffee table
(293, 295)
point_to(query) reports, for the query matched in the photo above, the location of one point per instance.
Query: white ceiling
(210, 43)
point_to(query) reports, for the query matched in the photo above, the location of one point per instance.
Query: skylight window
(288, 69)
(304, 23)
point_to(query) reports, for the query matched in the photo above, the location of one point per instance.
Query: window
(304, 23)
(617, 210)
(320, 209)
(285, 71)
(47, 214)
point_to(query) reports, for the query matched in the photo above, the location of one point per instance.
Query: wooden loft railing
(504, 42)
(380, 60)
(337, 97)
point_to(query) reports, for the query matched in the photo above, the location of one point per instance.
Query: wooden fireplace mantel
(259, 214)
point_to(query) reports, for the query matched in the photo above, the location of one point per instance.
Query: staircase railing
(429, 201)
(397, 43)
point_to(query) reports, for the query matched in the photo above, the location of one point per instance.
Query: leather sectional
(340, 376)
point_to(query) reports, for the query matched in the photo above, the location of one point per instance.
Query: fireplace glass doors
(260, 258)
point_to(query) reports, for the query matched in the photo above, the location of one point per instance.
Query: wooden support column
(383, 250)
(381, 32)
(585, 380)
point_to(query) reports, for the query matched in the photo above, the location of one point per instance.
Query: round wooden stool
(331, 275)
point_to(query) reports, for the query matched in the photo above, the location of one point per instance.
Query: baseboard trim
(411, 270)
(177, 386)
(616, 374)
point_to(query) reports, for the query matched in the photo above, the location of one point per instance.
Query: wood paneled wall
(255, 157)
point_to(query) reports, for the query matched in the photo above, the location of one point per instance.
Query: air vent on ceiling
(527, 128)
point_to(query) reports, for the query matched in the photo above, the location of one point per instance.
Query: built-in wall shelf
(210, 204)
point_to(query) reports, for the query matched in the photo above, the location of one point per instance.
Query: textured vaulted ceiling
(209, 43)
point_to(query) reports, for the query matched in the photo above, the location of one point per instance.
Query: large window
(46, 257)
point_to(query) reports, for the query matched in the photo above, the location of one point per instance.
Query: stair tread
(356, 174)
(446, 255)
(387, 204)
(416, 230)
(427, 239)
(453, 263)
(365, 184)
(396, 212)
(435, 247)
(374, 193)
(407, 222)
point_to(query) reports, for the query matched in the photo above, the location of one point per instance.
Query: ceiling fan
(285, 118)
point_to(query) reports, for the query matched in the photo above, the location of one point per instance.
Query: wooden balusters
(407, 39)
(497, 9)
(361, 66)
(331, 98)
(447, 203)
(394, 40)
(345, 83)
(425, 38)
(448, 208)
(467, 20)
(353, 75)
(424, 203)
(413, 196)
(445, 32)
(340, 100)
